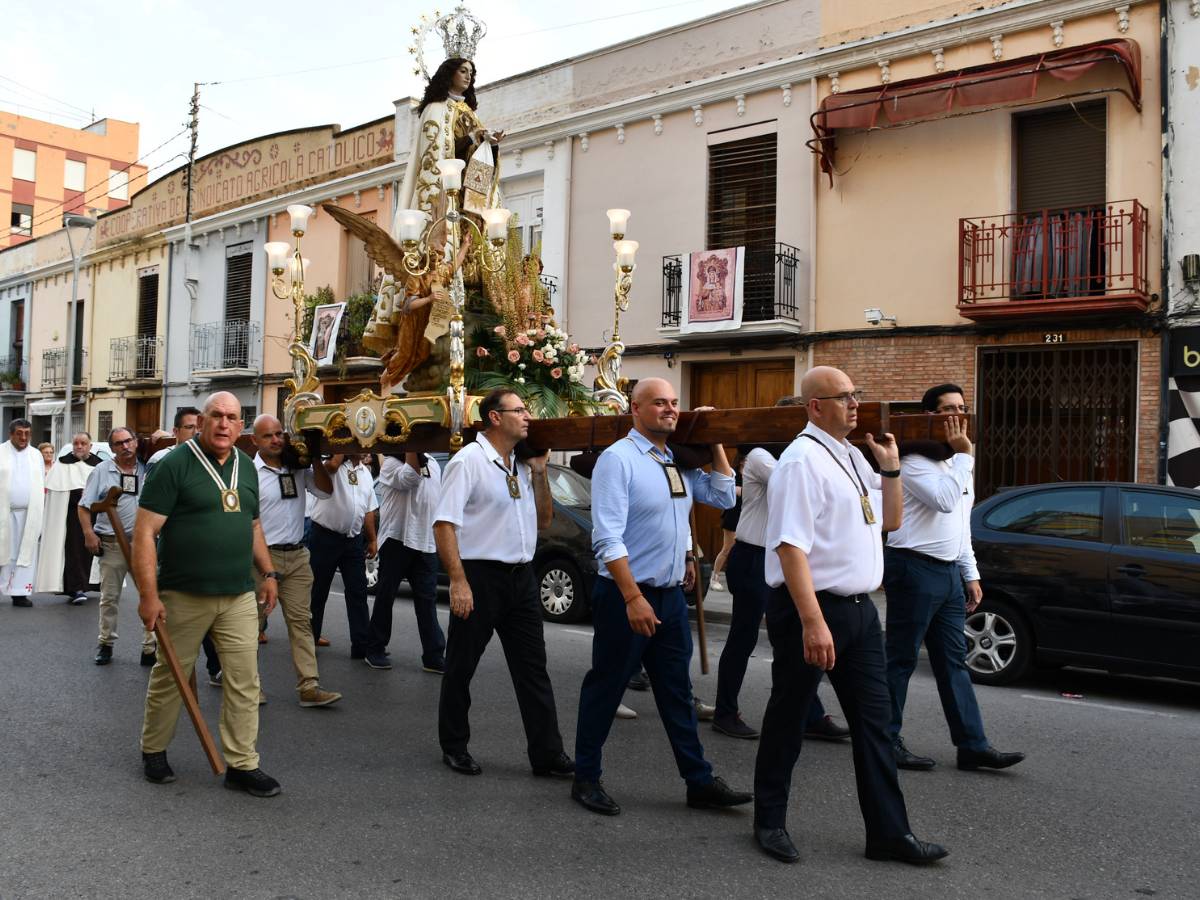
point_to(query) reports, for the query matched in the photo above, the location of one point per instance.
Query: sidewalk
(718, 607)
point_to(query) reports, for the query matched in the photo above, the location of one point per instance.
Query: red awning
(978, 86)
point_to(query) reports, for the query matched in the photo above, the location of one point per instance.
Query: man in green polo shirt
(196, 537)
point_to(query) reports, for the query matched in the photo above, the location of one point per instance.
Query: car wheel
(561, 591)
(999, 644)
(372, 568)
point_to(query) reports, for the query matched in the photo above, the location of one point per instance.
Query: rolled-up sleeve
(456, 488)
(714, 489)
(793, 503)
(610, 507)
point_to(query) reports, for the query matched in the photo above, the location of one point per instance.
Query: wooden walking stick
(186, 691)
(698, 588)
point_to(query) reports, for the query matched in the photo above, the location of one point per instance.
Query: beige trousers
(112, 578)
(232, 620)
(295, 598)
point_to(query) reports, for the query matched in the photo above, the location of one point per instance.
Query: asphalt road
(1105, 806)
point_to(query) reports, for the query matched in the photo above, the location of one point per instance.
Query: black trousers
(506, 602)
(859, 679)
(397, 562)
(330, 552)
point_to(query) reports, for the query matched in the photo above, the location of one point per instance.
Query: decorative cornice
(1123, 18)
(997, 46)
(939, 59)
(1056, 33)
(885, 71)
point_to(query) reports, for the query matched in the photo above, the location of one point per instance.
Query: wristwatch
(889, 473)
(274, 575)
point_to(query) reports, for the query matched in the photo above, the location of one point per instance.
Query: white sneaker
(624, 712)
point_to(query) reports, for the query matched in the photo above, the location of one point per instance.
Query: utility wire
(86, 112)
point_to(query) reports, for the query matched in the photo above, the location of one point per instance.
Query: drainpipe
(1164, 350)
(162, 406)
(812, 230)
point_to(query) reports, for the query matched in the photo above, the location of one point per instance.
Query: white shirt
(938, 496)
(345, 510)
(409, 502)
(283, 518)
(21, 486)
(490, 523)
(756, 472)
(814, 504)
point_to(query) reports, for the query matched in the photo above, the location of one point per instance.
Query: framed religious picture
(712, 295)
(322, 344)
(129, 484)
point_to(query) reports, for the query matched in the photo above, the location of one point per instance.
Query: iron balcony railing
(221, 346)
(54, 368)
(138, 357)
(550, 284)
(768, 290)
(1055, 254)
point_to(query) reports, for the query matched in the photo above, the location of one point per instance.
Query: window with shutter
(741, 213)
(147, 302)
(104, 424)
(1061, 157)
(238, 269)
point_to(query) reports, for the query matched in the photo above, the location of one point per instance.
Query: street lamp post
(79, 228)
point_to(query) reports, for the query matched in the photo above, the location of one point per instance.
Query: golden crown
(459, 31)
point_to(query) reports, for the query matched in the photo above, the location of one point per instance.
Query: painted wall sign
(1185, 351)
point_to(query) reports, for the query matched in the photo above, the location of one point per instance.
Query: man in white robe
(65, 566)
(21, 507)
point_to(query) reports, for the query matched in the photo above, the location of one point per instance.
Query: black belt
(497, 564)
(751, 546)
(923, 556)
(830, 595)
(286, 548)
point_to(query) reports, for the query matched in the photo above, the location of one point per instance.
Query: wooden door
(735, 385)
(143, 415)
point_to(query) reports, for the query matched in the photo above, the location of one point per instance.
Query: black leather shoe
(639, 682)
(25, 601)
(103, 654)
(991, 758)
(734, 727)
(154, 765)
(148, 659)
(715, 795)
(592, 797)
(906, 849)
(827, 730)
(463, 763)
(255, 782)
(777, 843)
(906, 759)
(562, 766)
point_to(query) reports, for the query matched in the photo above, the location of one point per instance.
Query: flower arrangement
(539, 362)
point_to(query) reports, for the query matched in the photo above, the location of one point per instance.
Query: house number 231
(1054, 337)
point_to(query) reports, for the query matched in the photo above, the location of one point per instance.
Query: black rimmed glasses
(845, 398)
(519, 410)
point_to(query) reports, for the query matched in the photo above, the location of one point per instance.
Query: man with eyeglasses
(127, 472)
(824, 555)
(485, 528)
(932, 583)
(186, 419)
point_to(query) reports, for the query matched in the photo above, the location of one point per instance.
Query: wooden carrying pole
(109, 505)
(698, 588)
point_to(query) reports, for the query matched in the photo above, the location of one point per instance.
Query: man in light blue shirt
(641, 501)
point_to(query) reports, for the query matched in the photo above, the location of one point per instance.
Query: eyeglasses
(519, 410)
(124, 442)
(845, 398)
(964, 409)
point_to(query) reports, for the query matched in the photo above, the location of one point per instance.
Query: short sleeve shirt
(203, 549)
(106, 475)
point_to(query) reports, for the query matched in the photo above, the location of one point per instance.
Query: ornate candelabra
(303, 383)
(610, 385)
(416, 235)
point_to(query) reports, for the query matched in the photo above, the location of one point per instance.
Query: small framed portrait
(129, 484)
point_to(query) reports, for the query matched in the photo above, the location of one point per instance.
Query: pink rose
(513, 356)
(499, 329)
(541, 333)
(538, 356)
(481, 352)
(522, 341)
(574, 348)
(556, 372)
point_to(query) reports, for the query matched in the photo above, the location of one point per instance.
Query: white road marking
(576, 631)
(1108, 706)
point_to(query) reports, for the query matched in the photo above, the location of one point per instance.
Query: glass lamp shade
(299, 214)
(277, 253)
(410, 224)
(626, 251)
(497, 223)
(618, 219)
(298, 269)
(451, 171)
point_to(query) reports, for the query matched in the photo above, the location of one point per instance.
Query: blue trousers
(397, 562)
(744, 571)
(331, 552)
(925, 601)
(617, 652)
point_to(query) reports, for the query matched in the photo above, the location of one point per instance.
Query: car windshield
(569, 488)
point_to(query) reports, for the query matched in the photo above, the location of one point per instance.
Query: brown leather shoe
(314, 696)
(322, 642)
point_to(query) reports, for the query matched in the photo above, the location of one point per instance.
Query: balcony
(54, 369)
(11, 376)
(769, 294)
(230, 349)
(1078, 261)
(137, 358)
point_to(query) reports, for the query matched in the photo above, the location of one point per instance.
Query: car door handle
(1132, 569)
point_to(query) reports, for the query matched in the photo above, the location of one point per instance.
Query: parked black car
(1104, 575)
(564, 563)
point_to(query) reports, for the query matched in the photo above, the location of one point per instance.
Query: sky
(276, 66)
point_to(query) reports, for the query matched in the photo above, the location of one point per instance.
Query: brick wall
(901, 367)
